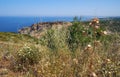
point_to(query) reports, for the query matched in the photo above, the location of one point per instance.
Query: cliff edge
(36, 30)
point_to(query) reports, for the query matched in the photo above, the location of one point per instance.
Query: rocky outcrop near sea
(37, 29)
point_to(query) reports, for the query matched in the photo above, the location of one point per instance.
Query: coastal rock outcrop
(36, 30)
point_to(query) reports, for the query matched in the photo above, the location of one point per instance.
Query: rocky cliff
(36, 30)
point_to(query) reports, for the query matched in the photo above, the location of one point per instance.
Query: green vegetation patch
(16, 38)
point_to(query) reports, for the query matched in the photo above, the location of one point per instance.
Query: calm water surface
(13, 24)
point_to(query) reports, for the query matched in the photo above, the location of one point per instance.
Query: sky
(59, 7)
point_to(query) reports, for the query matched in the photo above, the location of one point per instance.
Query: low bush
(25, 57)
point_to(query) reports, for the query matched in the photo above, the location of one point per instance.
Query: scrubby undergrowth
(81, 50)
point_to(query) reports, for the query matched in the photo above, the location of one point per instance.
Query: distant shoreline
(13, 24)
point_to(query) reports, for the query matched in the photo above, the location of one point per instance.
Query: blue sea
(13, 24)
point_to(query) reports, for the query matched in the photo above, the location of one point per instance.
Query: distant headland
(36, 30)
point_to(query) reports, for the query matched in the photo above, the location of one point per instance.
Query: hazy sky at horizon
(59, 7)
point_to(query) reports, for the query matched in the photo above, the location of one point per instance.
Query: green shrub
(28, 55)
(55, 39)
(82, 34)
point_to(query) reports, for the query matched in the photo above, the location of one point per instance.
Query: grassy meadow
(85, 49)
